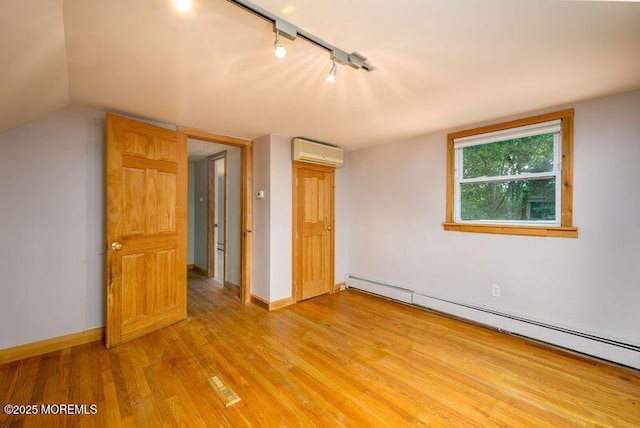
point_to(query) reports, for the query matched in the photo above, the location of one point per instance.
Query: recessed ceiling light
(183, 5)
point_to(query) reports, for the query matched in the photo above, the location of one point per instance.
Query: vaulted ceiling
(441, 63)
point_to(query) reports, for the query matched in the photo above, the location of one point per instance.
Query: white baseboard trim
(386, 290)
(613, 350)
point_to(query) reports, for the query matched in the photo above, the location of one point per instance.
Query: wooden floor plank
(346, 359)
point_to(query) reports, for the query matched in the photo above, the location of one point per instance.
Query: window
(513, 178)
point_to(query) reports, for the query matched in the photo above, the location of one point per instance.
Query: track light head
(279, 50)
(331, 77)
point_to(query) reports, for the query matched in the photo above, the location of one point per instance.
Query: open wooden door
(146, 180)
(313, 235)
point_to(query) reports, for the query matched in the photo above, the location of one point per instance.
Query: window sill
(544, 231)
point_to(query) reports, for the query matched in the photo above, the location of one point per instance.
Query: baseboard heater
(617, 351)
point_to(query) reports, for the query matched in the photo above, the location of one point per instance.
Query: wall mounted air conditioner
(312, 152)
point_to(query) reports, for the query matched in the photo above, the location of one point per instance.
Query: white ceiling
(441, 63)
(33, 60)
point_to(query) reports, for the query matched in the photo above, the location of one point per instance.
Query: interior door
(146, 181)
(216, 256)
(313, 230)
(221, 215)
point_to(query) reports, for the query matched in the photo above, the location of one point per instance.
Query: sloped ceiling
(441, 63)
(33, 60)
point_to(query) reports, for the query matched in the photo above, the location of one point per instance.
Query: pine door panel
(133, 210)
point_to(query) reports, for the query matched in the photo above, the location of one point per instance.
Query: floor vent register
(225, 393)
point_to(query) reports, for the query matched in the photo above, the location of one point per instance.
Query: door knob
(117, 246)
(328, 227)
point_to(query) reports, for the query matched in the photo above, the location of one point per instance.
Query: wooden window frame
(566, 228)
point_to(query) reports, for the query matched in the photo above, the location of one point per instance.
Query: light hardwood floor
(346, 359)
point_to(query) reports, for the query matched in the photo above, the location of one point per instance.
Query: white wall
(52, 227)
(592, 284)
(272, 227)
(281, 218)
(201, 213)
(342, 216)
(261, 231)
(191, 201)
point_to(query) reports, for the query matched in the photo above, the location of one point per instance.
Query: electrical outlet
(495, 290)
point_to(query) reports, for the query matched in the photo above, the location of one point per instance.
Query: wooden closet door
(313, 230)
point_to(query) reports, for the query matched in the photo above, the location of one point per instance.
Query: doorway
(215, 212)
(246, 162)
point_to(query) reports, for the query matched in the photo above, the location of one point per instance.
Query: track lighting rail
(290, 31)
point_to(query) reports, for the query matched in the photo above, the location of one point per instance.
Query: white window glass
(510, 176)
